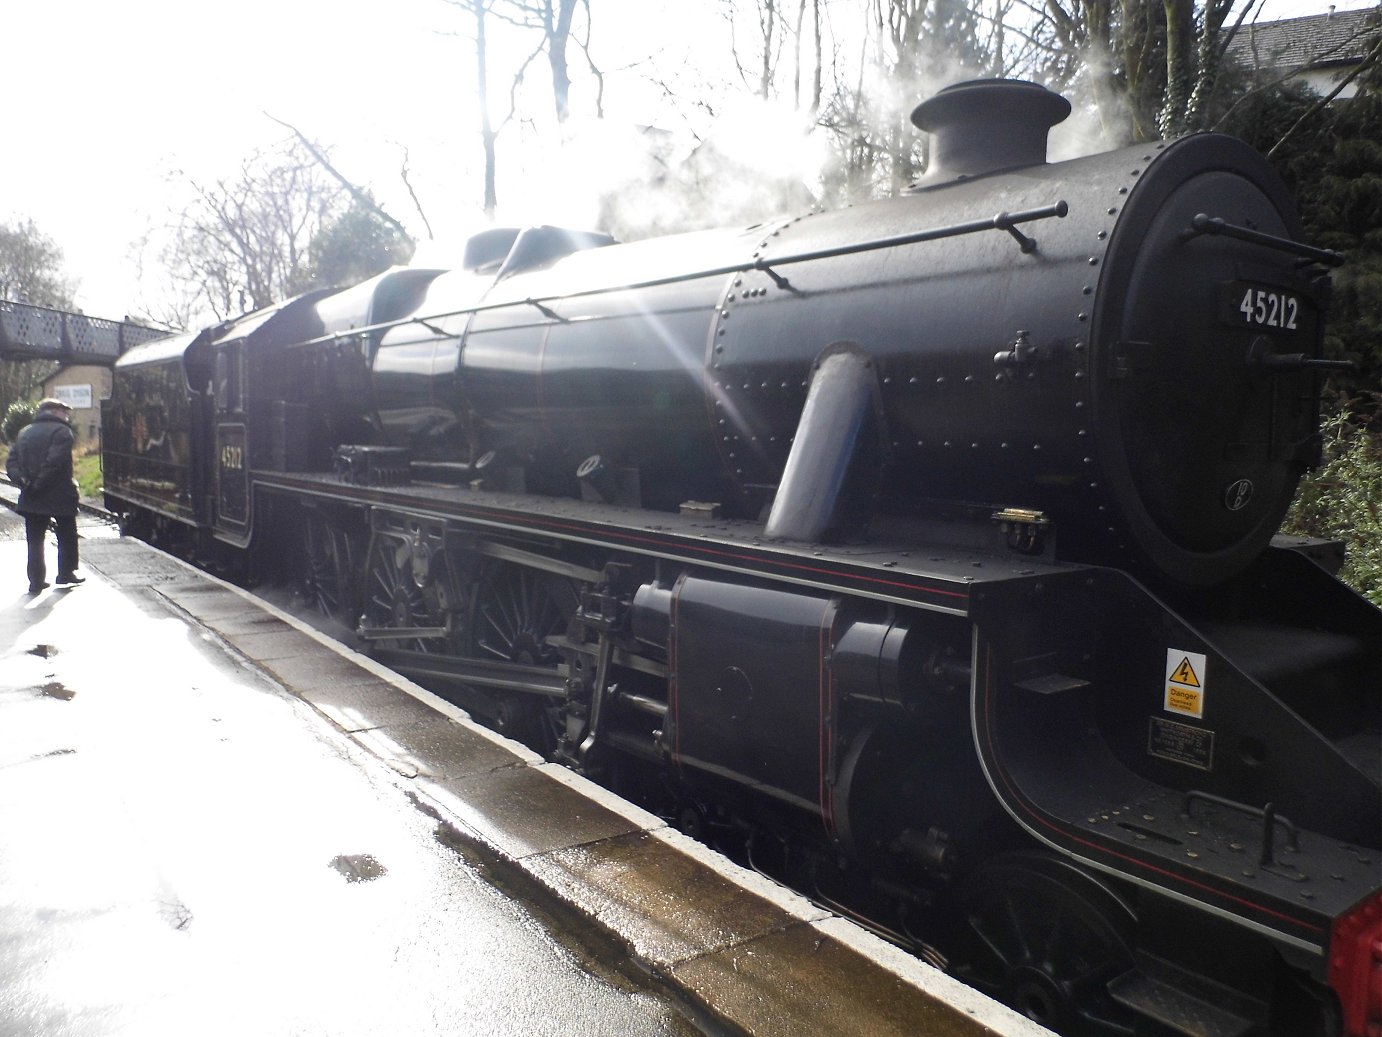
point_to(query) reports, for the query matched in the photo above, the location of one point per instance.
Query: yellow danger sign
(1186, 683)
(1185, 674)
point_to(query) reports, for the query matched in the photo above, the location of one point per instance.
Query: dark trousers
(35, 529)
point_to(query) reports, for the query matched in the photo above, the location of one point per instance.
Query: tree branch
(403, 175)
(355, 192)
(1309, 113)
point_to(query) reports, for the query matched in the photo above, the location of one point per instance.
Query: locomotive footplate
(1176, 765)
(931, 578)
(1292, 878)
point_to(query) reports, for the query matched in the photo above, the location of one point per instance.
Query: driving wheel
(1046, 938)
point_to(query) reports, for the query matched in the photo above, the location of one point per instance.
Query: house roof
(1319, 40)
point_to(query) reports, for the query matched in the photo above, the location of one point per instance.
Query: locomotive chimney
(986, 125)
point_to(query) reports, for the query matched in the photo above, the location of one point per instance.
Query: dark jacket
(40, 463)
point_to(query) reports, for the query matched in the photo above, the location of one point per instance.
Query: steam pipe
(830, 436)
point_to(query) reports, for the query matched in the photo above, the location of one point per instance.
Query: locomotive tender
(921, 552)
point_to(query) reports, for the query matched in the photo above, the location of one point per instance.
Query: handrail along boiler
(919, 553)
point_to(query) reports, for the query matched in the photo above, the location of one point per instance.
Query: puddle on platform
(359, 867)
(54, 690)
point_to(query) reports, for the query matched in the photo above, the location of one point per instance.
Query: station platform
(158, 713)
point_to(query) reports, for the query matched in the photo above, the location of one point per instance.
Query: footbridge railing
(38, 333)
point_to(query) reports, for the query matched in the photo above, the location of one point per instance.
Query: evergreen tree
(355, 246)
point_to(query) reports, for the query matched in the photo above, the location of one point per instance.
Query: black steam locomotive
(920, 553)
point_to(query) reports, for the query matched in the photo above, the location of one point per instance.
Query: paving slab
(266, 642)
(525, 810)
(252, 623)
(322, 672)
(438, 747)
(830, 988)
(359, 703)
(669, 903)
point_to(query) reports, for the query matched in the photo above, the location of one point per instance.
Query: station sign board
(78, 397)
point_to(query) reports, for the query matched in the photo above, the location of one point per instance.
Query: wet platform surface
(213, 819)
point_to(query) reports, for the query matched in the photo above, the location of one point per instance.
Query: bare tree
(479, 9)
(1154, 66)
(360, 197)
(243, 242)
(551, 25)
(818, 56)
(31, 267)
(757, 64)
(909, 48)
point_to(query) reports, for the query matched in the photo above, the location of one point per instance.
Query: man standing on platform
(40, 464)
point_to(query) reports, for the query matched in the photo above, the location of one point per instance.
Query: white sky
(106, 99)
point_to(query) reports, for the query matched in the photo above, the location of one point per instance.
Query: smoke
(637, 181)
(1098, 117)
(1083, 133)
(757, 162)
(754, 160)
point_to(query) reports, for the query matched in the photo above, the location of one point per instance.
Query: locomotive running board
(938, 579)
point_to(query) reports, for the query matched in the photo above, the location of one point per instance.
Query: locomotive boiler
(920, 554)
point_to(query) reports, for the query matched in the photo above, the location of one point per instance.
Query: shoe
(69, 580)
(36, 588)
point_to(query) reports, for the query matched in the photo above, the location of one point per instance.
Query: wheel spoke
(988, 942)
(327, 575)
(1019, 930)
(516, 609)
(393, 599)
(1054, 939)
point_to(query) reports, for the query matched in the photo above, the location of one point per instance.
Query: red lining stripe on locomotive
(673, 684)
(826, 691)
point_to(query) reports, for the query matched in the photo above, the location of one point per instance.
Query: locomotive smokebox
(987, 125)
